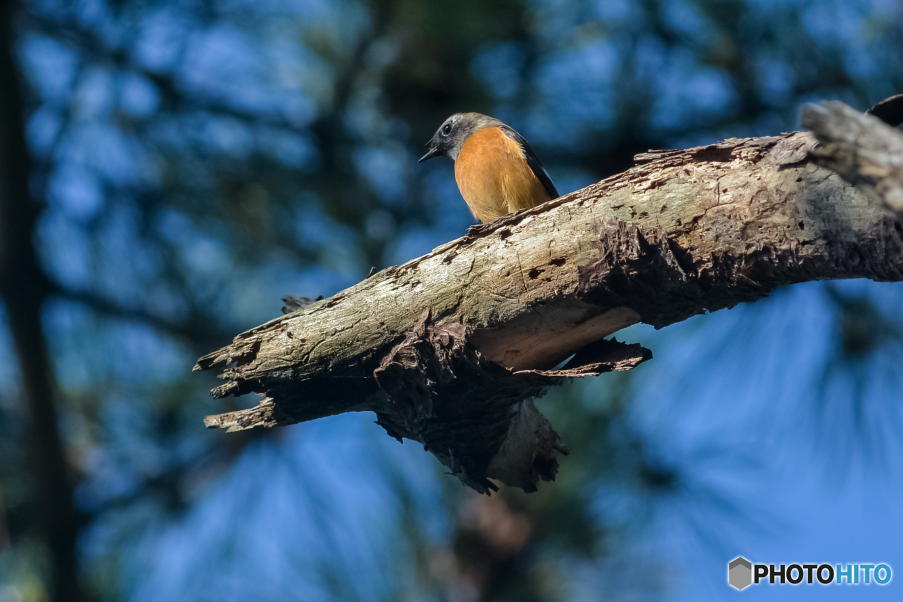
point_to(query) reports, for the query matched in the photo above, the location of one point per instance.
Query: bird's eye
(446, 129)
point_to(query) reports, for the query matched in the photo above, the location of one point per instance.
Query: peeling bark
(449, 348)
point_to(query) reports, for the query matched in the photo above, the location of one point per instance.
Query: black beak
(432, 152)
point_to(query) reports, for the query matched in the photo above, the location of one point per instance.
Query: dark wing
(532, 161)
(889, 110)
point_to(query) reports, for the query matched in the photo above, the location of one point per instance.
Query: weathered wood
(449, 348)
(862, 148)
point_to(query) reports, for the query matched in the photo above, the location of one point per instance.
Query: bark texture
(864, 149)
(450, 348)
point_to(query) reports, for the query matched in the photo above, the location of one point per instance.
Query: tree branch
(449, 348)
(861, 148)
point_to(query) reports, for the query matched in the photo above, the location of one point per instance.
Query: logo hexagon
(739, 573)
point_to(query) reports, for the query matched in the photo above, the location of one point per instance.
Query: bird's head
(450, 137)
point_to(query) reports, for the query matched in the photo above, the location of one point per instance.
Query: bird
(496, 170)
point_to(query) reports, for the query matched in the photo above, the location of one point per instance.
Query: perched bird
(496, 170)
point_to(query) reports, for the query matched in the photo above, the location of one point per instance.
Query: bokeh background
(171, 168)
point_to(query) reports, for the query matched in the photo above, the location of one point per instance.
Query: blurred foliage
(195, 160)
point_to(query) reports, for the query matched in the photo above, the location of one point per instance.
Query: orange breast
(494, 177)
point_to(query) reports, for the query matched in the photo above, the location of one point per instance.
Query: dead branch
(861, 148)
(450, 348)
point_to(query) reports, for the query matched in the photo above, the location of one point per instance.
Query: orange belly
(494, 177)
